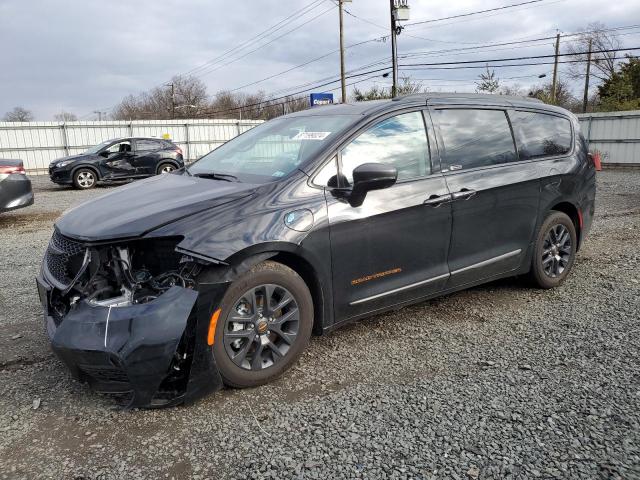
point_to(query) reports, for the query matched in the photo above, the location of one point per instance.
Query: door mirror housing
(104, 153)
(371, 176)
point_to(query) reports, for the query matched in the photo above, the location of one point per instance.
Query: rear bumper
(155, 353)
(15, 192)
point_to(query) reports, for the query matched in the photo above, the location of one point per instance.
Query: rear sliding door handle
(437, 200)
(464, 194)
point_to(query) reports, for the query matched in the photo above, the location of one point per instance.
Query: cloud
(82, 55)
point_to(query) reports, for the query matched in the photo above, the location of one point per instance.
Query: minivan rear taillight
(178, 150)
(9, 169)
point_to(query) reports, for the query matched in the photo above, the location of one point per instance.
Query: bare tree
(187, 99)
(65, 117)
(603, 65)
(406, 87)
(488, 82)
(564, 96)
(18, 114)
(255, 106)
(514, 90)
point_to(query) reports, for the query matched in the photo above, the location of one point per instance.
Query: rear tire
(165, 168)
(84, 178)
(554, 251)
(245, 351)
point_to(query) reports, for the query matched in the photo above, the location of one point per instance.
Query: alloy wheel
(556, 250)
(86, 179)
(261, 327)
(167, 169)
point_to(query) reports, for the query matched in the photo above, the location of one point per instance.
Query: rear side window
(541, 135)
(470, 138)
(148, 145)
(400, 141)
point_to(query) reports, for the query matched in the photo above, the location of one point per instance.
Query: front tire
(84, 178)
(554, 252)
(264, 326)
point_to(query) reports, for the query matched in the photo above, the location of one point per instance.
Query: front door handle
(464, 194)
(437, 200)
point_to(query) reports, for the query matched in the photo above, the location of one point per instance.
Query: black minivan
(220, 273)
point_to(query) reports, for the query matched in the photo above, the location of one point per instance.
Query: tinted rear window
(148, 145)
(541, 135)
(470, 138)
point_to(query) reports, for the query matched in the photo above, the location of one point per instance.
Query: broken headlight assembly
(117, 274)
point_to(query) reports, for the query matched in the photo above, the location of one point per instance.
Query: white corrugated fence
(616, 135)
(38, 143)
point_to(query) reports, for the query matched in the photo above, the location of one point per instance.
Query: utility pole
(555, 71)
(342, 79)
(99, 113)
(173, 99)
(394, 50)
(585, 99)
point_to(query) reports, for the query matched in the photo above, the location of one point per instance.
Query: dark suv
(220, 274)
(117, 160)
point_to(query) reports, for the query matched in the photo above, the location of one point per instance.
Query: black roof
(375, 106)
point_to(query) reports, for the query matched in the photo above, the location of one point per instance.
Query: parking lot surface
(498, 381)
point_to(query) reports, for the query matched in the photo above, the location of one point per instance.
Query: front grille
(64, 257)
(104, 374)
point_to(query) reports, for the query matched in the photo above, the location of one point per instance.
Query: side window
(470, 138)
(147, 145)
(541, 135)
(400, 141)
(119, 147)
(328, 175)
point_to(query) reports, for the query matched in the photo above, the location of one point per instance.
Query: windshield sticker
(312, 135)
(278, 174)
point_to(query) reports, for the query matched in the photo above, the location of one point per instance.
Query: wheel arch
(573, 213)
(93, 168)
(170, 161)
(291, 256)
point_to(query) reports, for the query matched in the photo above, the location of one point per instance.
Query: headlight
(64, 163)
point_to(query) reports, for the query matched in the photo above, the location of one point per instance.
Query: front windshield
(272, 150)
(97, 148)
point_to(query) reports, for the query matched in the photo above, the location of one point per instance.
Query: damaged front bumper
(150, 354)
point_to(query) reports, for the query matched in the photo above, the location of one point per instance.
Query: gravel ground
(498, 381)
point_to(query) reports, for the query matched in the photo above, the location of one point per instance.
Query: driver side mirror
(371, 176)
(104, 153)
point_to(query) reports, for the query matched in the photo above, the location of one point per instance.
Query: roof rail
(427, 96)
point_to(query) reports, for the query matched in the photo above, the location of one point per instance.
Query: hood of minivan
(139, 207)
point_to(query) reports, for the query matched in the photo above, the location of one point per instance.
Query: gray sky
(85, 55)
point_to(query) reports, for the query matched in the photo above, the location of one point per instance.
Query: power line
(485, 16)
(304, 64)
(457, 65)
(211, 70)
(472, 13)
(301, 12)
(530, 57)
(265, 33)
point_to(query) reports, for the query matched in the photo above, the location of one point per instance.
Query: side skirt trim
(400, 289)
(484, 263)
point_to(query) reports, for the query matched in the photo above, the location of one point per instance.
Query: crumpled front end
(131, 318)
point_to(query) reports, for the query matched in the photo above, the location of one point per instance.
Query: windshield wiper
(227, 177)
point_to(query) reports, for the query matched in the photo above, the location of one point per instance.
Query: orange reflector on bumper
(212, 327)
